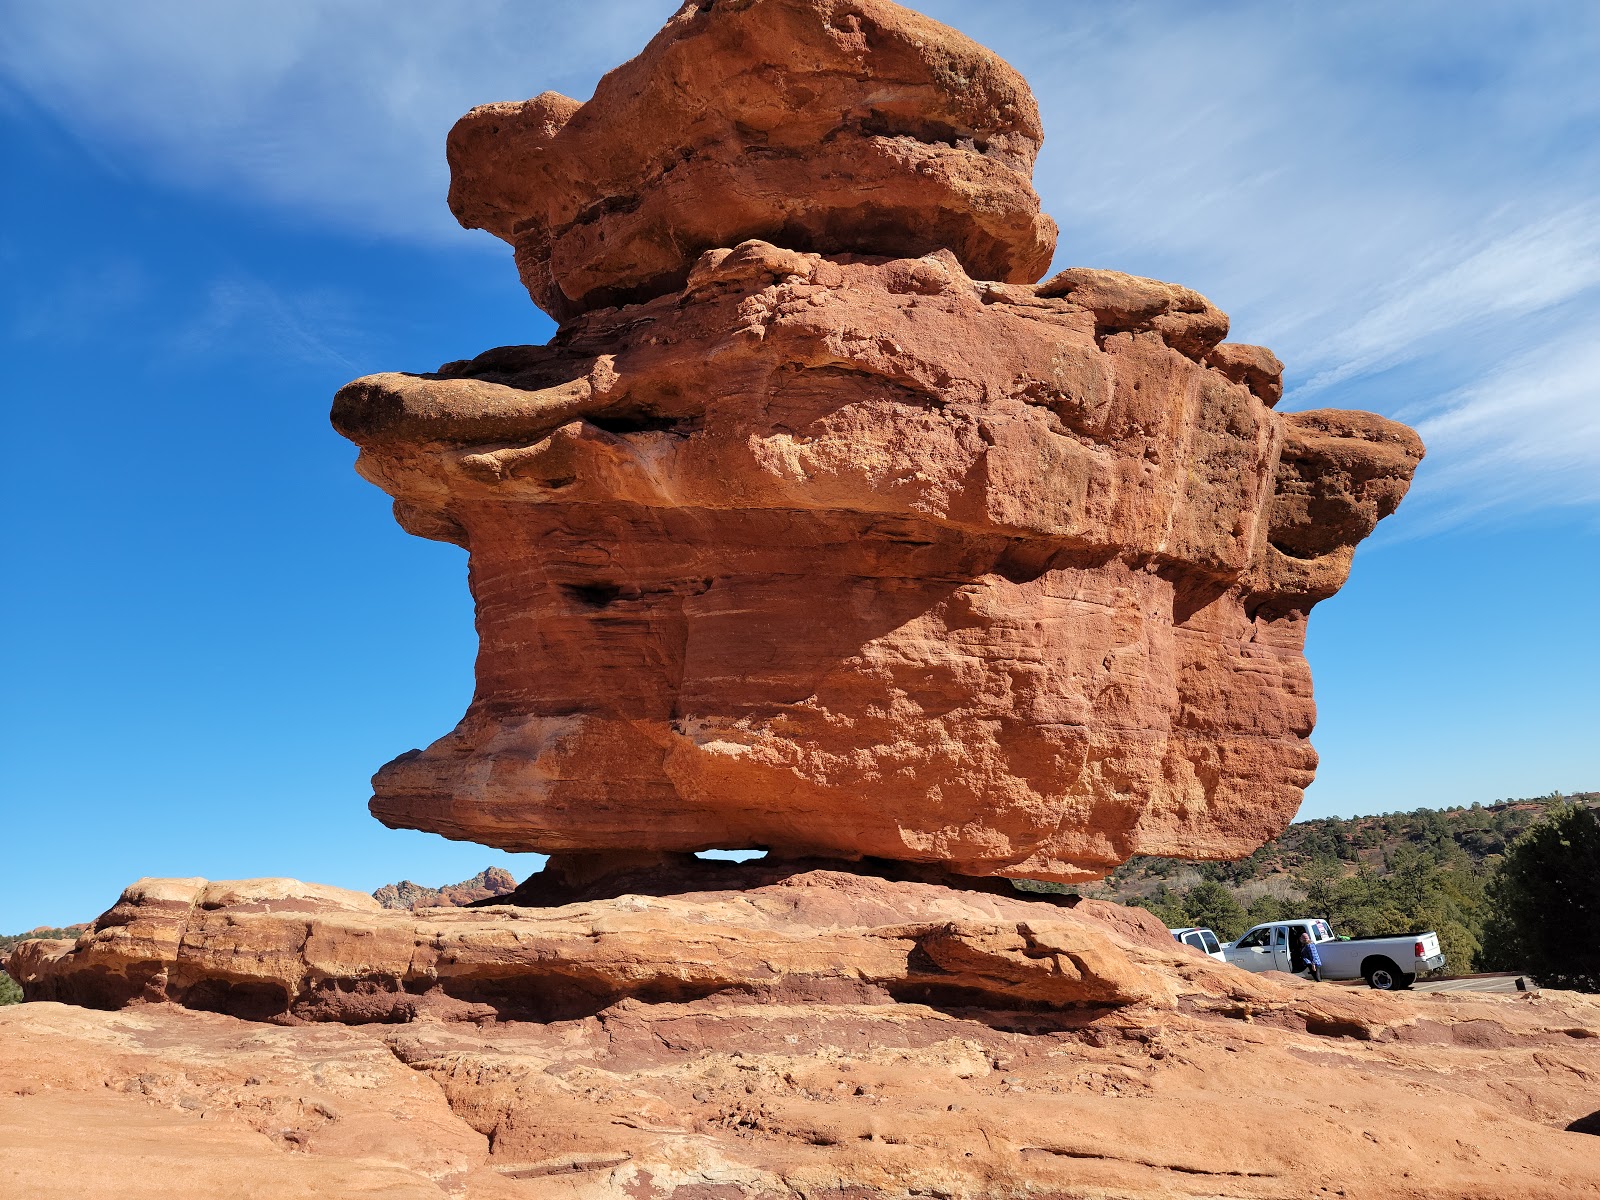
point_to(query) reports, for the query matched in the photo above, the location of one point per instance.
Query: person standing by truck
(1311, 956)
(1386, 963)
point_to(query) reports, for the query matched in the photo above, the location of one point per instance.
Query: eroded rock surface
(275, 949)
(826, 125)
(485, 885)
(820, 526)
(774, 1041)
(870, 558)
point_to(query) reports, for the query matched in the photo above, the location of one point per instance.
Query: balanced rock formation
(820, 526)
(781, 1034)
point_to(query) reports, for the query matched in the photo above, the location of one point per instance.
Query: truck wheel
(1382, 975)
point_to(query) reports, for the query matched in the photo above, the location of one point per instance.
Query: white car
(1201, 938)
(1386, 963)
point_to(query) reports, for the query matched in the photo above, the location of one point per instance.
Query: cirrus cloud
(1399, 199)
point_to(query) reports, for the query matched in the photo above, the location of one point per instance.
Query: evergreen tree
(1544, 902)
(1213, 905)
(1264, 909)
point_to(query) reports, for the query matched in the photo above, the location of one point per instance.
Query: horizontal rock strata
(826, 125)
(758, 1049)
(275, 949)
(867, 557)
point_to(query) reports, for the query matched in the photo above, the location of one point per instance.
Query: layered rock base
(788, 1033)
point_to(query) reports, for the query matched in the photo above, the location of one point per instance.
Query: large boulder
(821, 526)
(867, 557)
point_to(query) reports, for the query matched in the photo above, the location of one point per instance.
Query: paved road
(1497, 982)
(1473, 983)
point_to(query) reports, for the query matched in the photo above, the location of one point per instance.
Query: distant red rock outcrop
(485, 885)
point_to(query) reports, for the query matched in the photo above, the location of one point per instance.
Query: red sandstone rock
(485, 885)
(816, 1034)
(277, 949)
(869, 558)
(1254, 366)
(836, 534)
(826, 125)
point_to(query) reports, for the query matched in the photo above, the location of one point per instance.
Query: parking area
(1497, 982)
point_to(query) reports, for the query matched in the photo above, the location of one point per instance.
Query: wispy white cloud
(234, 313)
(1509, 277)
(332, 109)
(306, 327)
(1529, 433)
(1400, 199)
(66, 309)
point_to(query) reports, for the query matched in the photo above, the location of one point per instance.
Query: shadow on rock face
(577, 878)
(1589, 1124)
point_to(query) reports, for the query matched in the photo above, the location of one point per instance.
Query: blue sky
(214, 215)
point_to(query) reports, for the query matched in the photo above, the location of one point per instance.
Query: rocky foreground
(781, 1032)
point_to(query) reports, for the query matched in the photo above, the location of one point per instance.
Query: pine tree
(1544, 902)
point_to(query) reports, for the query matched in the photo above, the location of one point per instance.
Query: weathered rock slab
(275, 950)
(786, 1072)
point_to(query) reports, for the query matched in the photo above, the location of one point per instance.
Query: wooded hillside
(1398, 872)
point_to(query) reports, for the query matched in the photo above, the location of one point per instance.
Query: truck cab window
(1256, 937)
(1211, 946)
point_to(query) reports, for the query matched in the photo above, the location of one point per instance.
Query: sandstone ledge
(287, 952)
(814, 1035)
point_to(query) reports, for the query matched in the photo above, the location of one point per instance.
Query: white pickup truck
(1201, 938)
(1386, 963)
